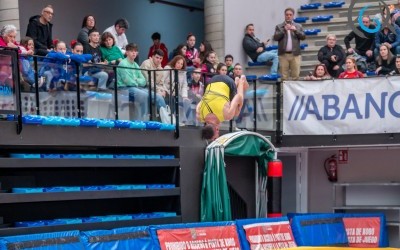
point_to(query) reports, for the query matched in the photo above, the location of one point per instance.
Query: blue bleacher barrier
(312, 31)
(303, 46)
(167, 156)
(50, 156)
(302, 19)
(317, 230)
(89, 188)
(138, 125)
(256, 63)
(71, 221)
(139, 216)
(11, 117)
(90, 220)
(69, 240)
(311, 6)
(151, 186)
(138, 186)
(370, 73)
(167, 185)
(167, 127)
(322, 18)
(38, 223)
(269, 77)
(245, 244)
(104, 96)
(72, 189)
(88, 122)
(137, 238)
(138, 156)
(25, 156)
(122, 124)
(105, 156)
(153, 125)
(122, 156)
(53, 189)
(89, 156)
(251, 78)
(153, 157)
(103, 123)
(334, 5)
(123, 217)
(54, 222)
(24, 190)
(108, 187)
(271, 47)
(53, 121)
(32, 119)
(70, 156)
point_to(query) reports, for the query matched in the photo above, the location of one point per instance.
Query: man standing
(157, 44)
(364, 46)
(40, 30)
(255, 49)
(288, 34)
(118, 31)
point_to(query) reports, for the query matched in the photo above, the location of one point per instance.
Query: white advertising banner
(342, 106)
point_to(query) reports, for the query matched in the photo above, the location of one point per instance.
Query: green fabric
(215, 201)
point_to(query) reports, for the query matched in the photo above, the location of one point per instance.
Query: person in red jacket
(157, 44)
(7, 37)
(351, 69)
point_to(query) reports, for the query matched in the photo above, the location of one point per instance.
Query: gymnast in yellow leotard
(222, 101)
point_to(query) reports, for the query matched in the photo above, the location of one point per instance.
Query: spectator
(205, 48)
(157, 44)
(320, 73)
(254, 48)
(364, 47)
(396, 71)
(178, 63)
(237, 73)
(88, 24)
(153, 65)
(195, 92)
(93, 48)
(110, 52)
(27, 47)
(332, 55)
(207, 66)
(133, 80)
(229, 64)
(118, 31)
(40, 29)
(181, 50)
(351, 69)
(192, 54)
(222, 69)
(385, 61)
(391, 39)
(288, 34)
(7, 37)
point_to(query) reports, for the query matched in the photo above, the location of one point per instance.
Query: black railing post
(17, 86)
(278, 134)
(78, 88)
(35, 65)
(116, 92)
(254, 105)
(176, 102)
(150, 96)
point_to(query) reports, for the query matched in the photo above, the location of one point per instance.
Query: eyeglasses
(49, 12)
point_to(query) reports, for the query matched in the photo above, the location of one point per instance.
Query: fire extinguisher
(331, 168)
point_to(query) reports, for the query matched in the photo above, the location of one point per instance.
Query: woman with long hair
(320, 73)
(351, 69)
(385, 61)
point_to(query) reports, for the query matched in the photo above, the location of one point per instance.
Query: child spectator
(157, 44)
(229, 64)
(109, 50)
(205, 48)
(28, 74)
(88, 24)
(181, 51)
(207, 66)
(351, 69)
(222, 69)
(195, 92)
(320, 73)
(385, 61)
(192, 54)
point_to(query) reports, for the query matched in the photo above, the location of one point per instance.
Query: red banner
(363, 232)
(270, 235)
(207, 238)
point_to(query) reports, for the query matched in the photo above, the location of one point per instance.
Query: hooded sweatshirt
(41, 35)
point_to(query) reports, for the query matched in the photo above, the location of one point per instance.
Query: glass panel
(7, 83)
(266, 105)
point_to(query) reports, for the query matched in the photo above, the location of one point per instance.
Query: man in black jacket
(364, 46)
(40, 30)
(255, 49)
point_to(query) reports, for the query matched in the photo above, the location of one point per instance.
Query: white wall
(265, 15)
(173, 23)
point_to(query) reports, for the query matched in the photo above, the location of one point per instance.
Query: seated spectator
(110, 52)
(157, 44)
(351, 69)
(255, 49)
(181, 51)
(388, 37)
(192, 54)
(118, 32)
(7, 37)
(229, 64)
(396, 71)
(237, 73)
(178, 63)
(93, 48)
(195, 92)
(27, 73)
(204, 48)
(222, 69)
(207, 66)
(153, 65)
(133, 80)
(332, 55)
(320, 73)
(40, 29)
(385, 61)
(364, 46)
(88, 24)
(381, 15)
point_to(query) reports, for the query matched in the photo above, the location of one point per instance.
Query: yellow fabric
(216, 96)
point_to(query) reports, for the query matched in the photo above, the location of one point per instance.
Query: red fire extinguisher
(331, 168)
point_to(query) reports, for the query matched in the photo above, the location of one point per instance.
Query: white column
(9, 14)
(214, 26)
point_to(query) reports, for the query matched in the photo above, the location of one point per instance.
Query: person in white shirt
(118, 31)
